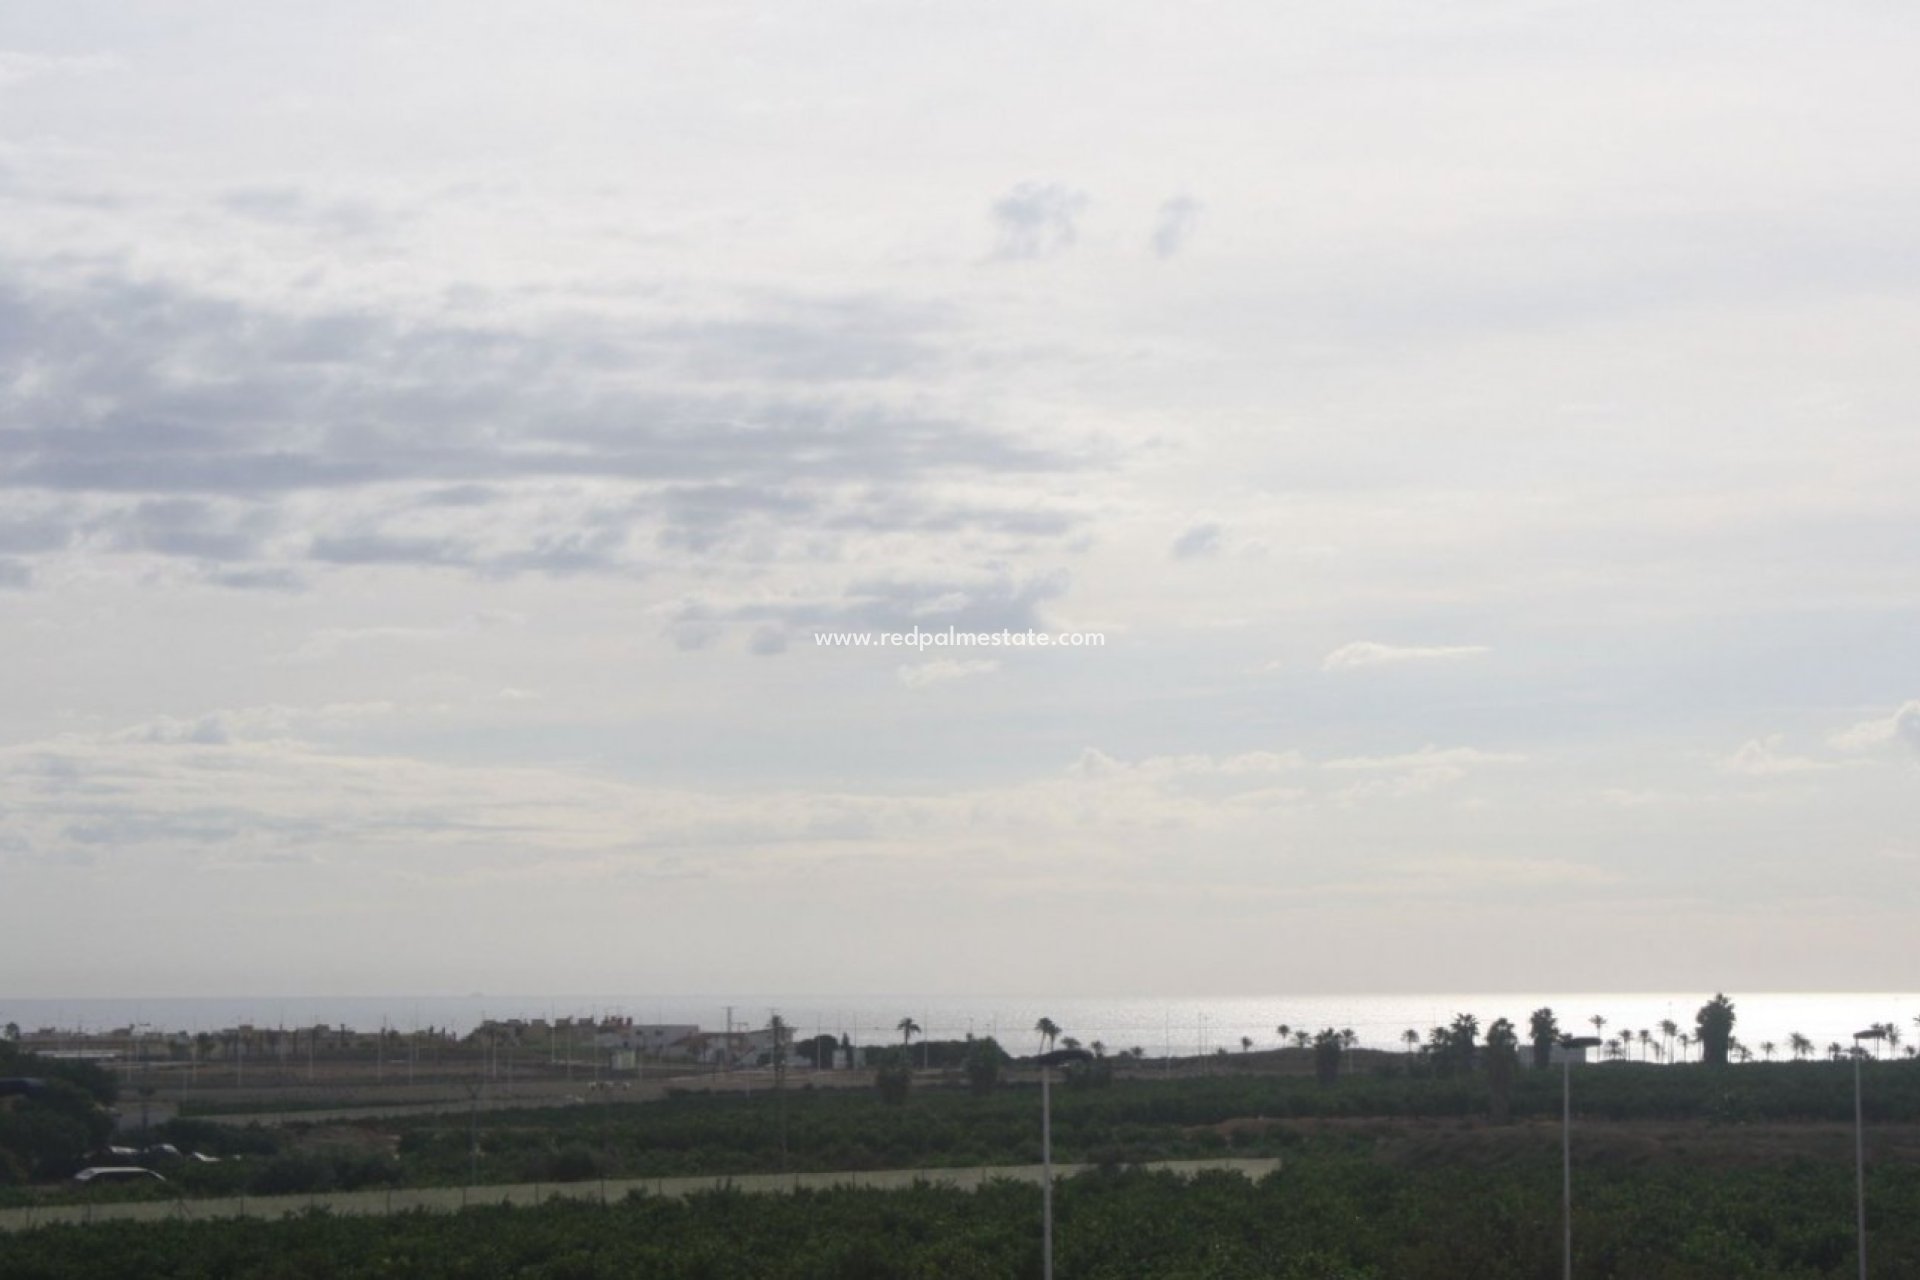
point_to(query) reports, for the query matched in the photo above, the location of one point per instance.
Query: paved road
(453, 1199)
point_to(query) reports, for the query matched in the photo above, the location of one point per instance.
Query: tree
(1766, 1049)
(1461, 1038)
(1599, 1025)
(1301, 1039)
(908, 1029)
(1646, 1041)
(1246, 1043)
(1412, 1040)
(1543, 1029)
(1284, 1031)
(778, 1026)
(13, 1031)
(1799, 1046)
(1502, 1056)
(1714, 1022)
(1048, 1032)
(1686, 1043)
(982, 1064)
(817, 1051)
(893, 1077)
(1327, 1047)
(1668, 1030)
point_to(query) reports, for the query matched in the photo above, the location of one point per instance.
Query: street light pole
(1046, 1170)
(1860, 1146)
(1047, 1062)
(1568, 1044)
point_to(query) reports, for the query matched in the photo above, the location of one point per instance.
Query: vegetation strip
(454, 1199)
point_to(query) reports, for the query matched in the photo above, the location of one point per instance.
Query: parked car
(106, 1173)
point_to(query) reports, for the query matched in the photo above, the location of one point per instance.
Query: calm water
(1180, 1026)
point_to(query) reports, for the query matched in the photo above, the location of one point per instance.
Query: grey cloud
(701, 518)
(15, 574)
(1036, 220)
(343, 400)
(1173, 225)
(293, 206)
(144, 828)
(48, 531)
(830, 340)
(1200, 540)
(256, 579)
(894, 513)
(148, 389)
(595, 540)
(1906, 724)
(461, 495)
(192, 527)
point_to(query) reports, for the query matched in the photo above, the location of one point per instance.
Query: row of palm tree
(1672, 1044)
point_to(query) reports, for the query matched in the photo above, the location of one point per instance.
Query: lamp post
(1568, 1044)
(1048, 1061)
(1860, 1144)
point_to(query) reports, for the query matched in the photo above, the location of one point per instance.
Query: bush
(572, 1164)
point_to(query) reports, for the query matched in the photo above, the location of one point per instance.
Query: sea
(1159, 1027)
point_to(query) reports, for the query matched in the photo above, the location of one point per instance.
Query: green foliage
(1330, 1215)
(1502, 1060)
(893, 1078)
(983, 1063)
(1543, 1032)
(573, 1163)
(1327, 1048)
(1714, 1023)
(48, 1132)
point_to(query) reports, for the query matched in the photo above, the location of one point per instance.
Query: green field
(1331, 1215)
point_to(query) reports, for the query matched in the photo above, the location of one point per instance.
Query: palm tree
(1893, 1038)
(1613, 1048)
(1599, 1025)
(1246, 1043)
(1301, 1039)
(1766, 1049)
(1645, 1040)
(1284, 1031)
(909, 1029)
(1070, 1042)
(1412, 1039)
(1799, 1046)
(1047, 1031)
(1099, 1048)
(1686, 1042)
(1668, 1030)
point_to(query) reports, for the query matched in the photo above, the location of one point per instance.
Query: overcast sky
(431, 434)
